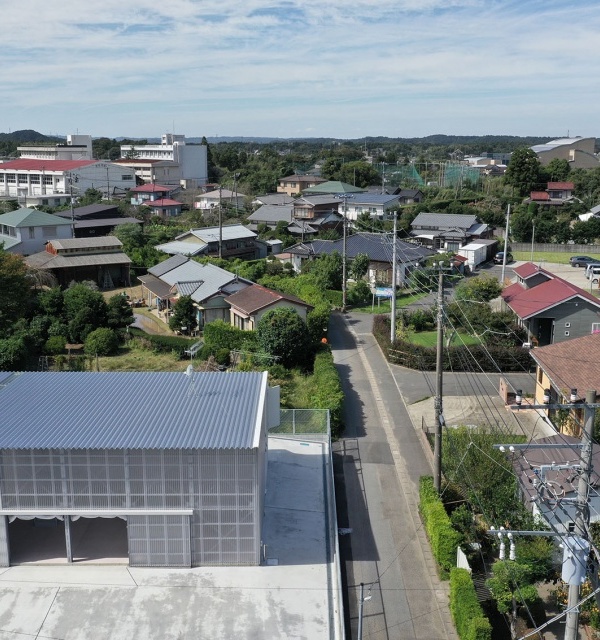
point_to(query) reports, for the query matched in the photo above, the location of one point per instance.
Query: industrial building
(178, 458)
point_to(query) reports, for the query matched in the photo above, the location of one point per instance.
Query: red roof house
(551, 309)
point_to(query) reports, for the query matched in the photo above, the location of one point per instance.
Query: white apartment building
(78, 147)
(191, 158)
(48, 182)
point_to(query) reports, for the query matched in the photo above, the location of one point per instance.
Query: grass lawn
(429, 339)
(385, 306)
(549, 256)
(141, 360)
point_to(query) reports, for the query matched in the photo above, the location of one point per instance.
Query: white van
(593, 268)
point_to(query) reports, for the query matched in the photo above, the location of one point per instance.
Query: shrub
(444, 540)
(359, 293)
(220, 335)
(317, 322)
(12, 353)
(470, 621)
(55, 345)
(328, 390)
(223, 357)
(283, 334)
(101, 342)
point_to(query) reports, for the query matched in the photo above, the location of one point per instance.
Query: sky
(301, 68)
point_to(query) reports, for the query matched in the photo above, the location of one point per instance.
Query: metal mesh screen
(223, 487)
(159, 541)
(303, 421)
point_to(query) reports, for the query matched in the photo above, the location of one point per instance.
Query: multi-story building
(191, 158)
(77, 147)
(51, 182)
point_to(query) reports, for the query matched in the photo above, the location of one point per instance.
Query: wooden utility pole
(439, 415)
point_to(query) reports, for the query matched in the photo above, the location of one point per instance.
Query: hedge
(469, 619)
(220, 335)
(328, 390)
(163, 344)
(483, 358)
(443, 538)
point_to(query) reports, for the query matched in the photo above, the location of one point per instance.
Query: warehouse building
(178, 459)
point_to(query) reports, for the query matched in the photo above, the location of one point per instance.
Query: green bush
(317, 322)
(328, 390)
(161, 344)
(101, 342)
(334, 297)
(443, 538)
(359, 293)
(223, 357)
(220, 335)
(12, 353)
(470, 621)
(55, 345)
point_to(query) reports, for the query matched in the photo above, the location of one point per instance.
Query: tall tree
(282, 333)
(14, 288)
(523, 171)
(184, 315)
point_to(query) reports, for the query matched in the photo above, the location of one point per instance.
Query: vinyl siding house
(26, 231)
(173, 465)
(447, 231)
(551, 309)
(237, 241)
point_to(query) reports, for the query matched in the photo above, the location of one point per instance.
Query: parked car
(581, 261)
(499, 257)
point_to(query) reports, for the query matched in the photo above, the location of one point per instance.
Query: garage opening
(93, 541)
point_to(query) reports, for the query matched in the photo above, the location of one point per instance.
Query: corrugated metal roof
(161, 268)
(228, 232)
(443, 221)
(87, 243)
(272, 213)
(130, 410)
(83, 260)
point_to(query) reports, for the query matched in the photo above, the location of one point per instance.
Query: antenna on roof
(189, 372)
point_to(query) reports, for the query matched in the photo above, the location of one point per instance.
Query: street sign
(384, 292)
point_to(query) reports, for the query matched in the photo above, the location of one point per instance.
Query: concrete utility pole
(394, 283)
(505, 246)
(582, 518)
(439, 417)
(344, 197)
(220, 224)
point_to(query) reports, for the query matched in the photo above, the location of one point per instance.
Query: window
(44, 200)
(540, 375)
(595, 327)
(31, 233)
(34, 179)
(127, 176)
(48, 180)
(11, 178)
(49, 232)
(22, 178)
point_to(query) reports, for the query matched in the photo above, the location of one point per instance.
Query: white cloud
(253, 66)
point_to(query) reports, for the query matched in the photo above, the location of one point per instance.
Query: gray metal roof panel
(161, 268)
(443, 220)
(130, 410)
(272, 213)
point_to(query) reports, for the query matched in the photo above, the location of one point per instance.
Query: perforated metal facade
(183, 507)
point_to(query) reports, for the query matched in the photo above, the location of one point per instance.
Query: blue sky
(301, 68)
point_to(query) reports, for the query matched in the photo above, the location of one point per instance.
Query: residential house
(206, 284)
(96, 219)
(577, 151)
(51, 182)
(27, 231)
(147, 193)
(409, 196)
(556, 194)
(537, 472)
(236, 240)
(565, 367)
(165, 207)
(225, 198)
(551, 309)
(271, 215)
(191, 159)
(250, 304)
(99, 259)
(447, 231)
(295, 184)
(379, 248)
(376, 205)
(77, 147)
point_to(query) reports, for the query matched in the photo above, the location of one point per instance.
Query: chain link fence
(303, 422)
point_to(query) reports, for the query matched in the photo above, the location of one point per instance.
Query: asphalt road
(378, 463)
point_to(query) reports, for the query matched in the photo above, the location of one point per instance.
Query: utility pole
(220, 224)
(393, 301)
(439, 416)
(582, 518)
(344, 197)
(505, 246)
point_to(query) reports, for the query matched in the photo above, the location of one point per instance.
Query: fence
(303, 422)
(573, 249)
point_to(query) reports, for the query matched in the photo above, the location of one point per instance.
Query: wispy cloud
(254, 67)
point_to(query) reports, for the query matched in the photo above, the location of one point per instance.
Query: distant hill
(28, 135)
